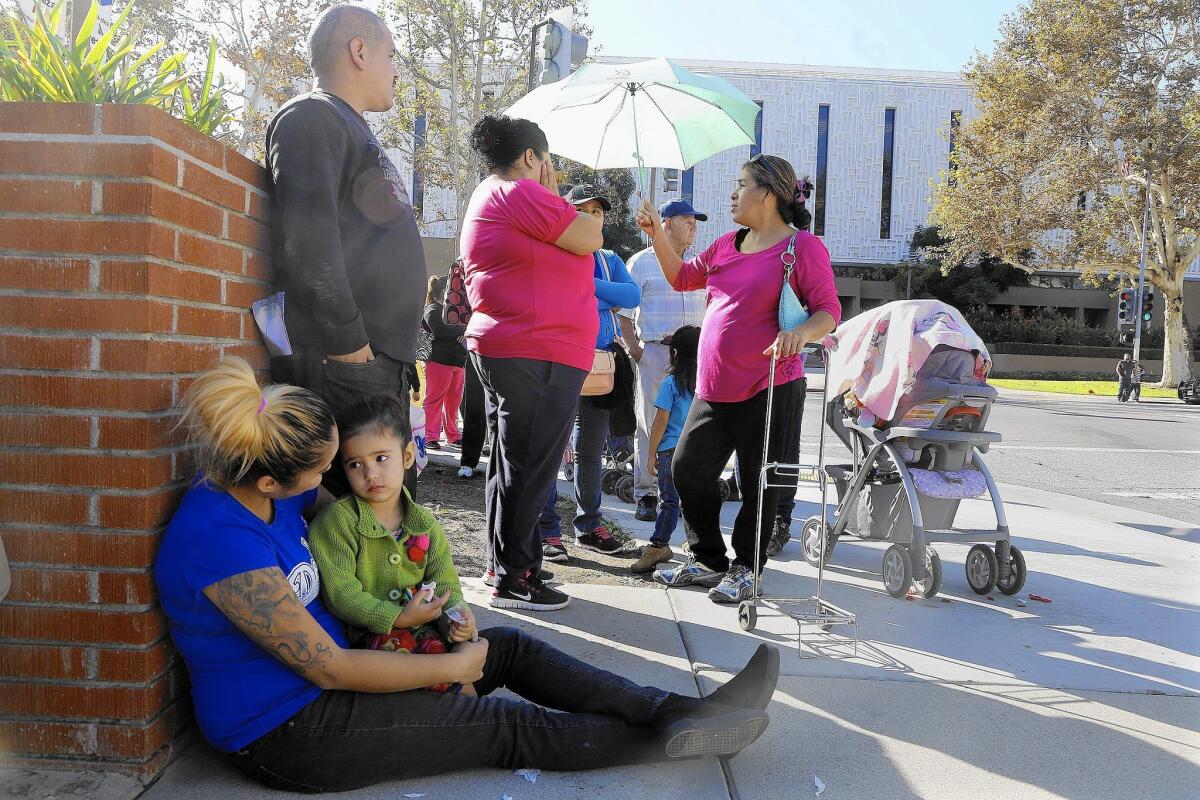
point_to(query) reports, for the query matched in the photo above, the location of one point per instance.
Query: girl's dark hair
(245, 432)
(778, 177)
(502, 140)
(382, 412)
(684, 344)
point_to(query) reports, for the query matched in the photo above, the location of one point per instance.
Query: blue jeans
(549, 524)
(584, 718)
(668, 501)
(591, 432)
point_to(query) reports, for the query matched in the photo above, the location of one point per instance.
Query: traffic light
(670, 180)
(561, 50)
(1148, 304)
(1125, 307)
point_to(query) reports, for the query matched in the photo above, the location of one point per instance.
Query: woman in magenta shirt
(742, 273)
(528, 258)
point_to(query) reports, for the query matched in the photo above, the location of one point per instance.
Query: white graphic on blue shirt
(305, 580)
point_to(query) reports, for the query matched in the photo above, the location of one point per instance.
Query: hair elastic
(262, 406)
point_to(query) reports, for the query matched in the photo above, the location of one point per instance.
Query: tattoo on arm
(262, 605)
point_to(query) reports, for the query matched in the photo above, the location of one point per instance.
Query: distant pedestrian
(444, 375)
(1135, 381)
(1124, 377)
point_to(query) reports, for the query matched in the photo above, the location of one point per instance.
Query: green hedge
(1069, 350)
(1047, 327)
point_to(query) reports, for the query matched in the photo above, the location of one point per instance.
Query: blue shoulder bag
(792, 313)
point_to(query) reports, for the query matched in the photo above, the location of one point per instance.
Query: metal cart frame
(813, 611)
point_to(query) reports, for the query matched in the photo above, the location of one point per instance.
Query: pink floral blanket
(877, 354)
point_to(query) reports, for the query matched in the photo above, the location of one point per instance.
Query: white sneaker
(466, 472)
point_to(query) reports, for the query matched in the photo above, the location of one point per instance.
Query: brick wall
(130, 249)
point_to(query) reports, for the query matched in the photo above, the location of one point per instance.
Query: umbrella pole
(637, 147)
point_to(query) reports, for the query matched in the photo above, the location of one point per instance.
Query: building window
(822, 168)
(420, 125)
(955, 122)
(756, 148)
(687, 184)
(885, 202)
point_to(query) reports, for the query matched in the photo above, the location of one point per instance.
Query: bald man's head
(334, 30)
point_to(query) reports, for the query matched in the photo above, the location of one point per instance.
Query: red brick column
(130, 249)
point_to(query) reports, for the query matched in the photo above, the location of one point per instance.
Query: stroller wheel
(897, 571)
(929, 586)
(608, 481)
(625, 489)
(723, 488)
(810, 539)
(747, 615)
(982, 569)
(1016, 572)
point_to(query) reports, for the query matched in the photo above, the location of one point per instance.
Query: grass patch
(1100, 388)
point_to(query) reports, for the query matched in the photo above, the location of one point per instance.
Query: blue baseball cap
(680, 208)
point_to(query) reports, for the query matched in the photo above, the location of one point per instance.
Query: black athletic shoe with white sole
(528, 593)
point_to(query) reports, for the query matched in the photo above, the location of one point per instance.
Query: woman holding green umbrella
(743, 273)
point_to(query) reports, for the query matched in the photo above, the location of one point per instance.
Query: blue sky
(918, 34)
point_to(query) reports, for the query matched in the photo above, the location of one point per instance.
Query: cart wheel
(568, 472)
(723, 488)
(810, 538)
(897, 571)
(608, 481)
(933, 574)
(1016, 572)
(982, 569)
(625, 489)
(747, 615)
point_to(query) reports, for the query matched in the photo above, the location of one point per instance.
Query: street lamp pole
(1137, 330)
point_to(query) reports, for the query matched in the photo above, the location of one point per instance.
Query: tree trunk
(1177, 349)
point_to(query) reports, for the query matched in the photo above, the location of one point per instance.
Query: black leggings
(715, 431)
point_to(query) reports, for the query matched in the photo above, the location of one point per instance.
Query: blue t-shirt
(240, 690)
(678, 403)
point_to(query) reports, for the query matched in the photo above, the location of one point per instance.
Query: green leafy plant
(206, 110)
(36, 65)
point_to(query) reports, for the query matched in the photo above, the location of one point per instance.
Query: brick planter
(130, 249)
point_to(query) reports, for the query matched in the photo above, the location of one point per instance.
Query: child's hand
(422, 609)
(466, 631)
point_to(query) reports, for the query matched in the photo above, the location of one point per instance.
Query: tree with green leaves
(923, 274)
(1085, 107)
(459, 60)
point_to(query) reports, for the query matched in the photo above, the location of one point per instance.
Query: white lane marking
(1148, 495)
(1063, 449)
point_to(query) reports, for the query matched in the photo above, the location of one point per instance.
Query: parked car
(1189, 392)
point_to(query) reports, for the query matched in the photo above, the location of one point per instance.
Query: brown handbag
(603, 376)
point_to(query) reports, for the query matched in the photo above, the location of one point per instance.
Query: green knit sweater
(365, 570)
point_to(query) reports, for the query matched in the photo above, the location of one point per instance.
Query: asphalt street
(1143, 456)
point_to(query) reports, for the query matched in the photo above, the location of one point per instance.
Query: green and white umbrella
(646, 114)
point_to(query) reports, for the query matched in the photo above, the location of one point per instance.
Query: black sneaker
(528, 593)
(780, 536)
(600, 540)
(553, 550)
(433, 445)
(647, 509)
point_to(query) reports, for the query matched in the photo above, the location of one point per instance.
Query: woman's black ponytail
(502, 140)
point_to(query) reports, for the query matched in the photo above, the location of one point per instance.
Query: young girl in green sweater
(384, 561)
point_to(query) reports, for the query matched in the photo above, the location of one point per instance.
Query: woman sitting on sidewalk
(277, 687)
(743, 274)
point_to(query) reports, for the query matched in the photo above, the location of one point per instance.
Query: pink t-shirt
(529, 298)
(742, 319)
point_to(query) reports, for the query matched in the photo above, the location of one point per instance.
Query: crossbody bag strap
(608, 277)
(788, 257)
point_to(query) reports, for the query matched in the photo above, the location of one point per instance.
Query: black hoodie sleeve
(310, 156)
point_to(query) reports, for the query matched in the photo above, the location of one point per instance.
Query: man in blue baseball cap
(663, 310)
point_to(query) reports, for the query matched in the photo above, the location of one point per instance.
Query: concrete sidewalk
(1095, 695)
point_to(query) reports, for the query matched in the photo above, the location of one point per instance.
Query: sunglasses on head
(766, 163)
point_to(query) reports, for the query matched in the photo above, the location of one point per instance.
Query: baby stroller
(908, 396)
(617, 477)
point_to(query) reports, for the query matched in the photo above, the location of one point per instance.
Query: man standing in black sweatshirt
(346, 250)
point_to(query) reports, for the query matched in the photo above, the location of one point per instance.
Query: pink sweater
(530, 298)
(743, 311)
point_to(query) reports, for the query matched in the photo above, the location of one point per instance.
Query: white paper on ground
(414, 795)
(530, 775)
(819, 786)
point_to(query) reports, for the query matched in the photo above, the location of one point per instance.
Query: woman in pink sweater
(742, 272)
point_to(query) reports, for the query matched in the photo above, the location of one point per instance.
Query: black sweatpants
(474, 414)
(531, 407)
(715, 431)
